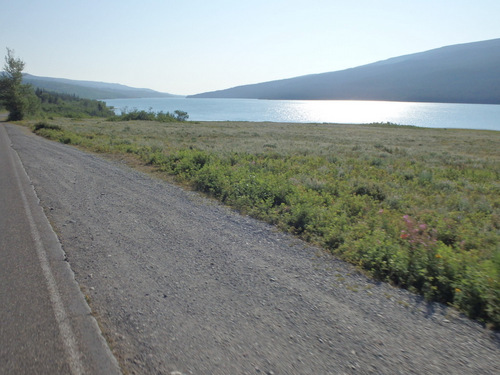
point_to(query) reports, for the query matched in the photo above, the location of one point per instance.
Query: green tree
(18, 98)
(181, 115)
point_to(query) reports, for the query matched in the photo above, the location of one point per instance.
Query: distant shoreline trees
(21, 100)
(70, 105)
(141, 115)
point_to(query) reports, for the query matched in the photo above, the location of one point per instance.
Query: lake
(434, 115)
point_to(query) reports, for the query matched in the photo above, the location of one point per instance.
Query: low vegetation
(417, 207)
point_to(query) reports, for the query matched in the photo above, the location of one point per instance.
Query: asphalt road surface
(181, 285)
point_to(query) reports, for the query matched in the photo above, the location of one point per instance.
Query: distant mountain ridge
(462, 73)
(91, 89)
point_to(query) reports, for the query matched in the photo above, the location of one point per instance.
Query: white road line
(68, 338)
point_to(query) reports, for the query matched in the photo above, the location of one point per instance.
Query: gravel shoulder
(180, 283)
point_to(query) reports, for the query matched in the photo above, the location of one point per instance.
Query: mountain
(462, 73)
(91, 89)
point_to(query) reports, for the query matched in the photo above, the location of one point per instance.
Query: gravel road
(180, 284)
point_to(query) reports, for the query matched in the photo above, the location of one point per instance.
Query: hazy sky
(192, 46)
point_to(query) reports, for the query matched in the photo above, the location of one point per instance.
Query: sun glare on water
(350, 111)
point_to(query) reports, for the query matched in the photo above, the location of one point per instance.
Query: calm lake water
(435, 115)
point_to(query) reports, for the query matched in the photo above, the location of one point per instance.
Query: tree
(181, 115)
(18, 98)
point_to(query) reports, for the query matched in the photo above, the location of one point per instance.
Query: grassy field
(417, 207)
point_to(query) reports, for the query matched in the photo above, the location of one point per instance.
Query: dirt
(181, 284)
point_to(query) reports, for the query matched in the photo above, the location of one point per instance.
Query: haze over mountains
(91, 89)
(462, 73)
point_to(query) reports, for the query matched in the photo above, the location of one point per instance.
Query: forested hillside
(91, 89)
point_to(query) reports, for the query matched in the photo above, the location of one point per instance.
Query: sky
(191, 46)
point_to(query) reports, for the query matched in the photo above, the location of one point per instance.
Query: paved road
(45, 324)
(180, 284)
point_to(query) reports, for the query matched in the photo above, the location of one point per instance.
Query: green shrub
(45, 125)
(141, 115)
